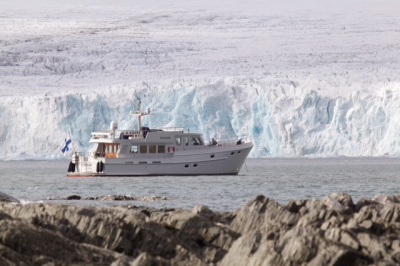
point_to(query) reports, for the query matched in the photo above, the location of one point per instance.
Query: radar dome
(113, 125)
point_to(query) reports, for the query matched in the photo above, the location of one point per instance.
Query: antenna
(139, 114)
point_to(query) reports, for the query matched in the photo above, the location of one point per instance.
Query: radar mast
(139, 114)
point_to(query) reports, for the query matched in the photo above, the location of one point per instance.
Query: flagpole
(72, 142)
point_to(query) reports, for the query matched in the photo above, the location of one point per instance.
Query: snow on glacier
(314, 78)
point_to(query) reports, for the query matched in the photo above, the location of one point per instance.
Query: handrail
(230, 142)
(170, 129)
(135, 130)
(108, 133)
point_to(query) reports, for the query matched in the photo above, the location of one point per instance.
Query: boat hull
(216, 160)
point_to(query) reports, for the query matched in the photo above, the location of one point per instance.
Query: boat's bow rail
(230, 142)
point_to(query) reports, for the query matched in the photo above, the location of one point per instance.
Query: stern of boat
(81, 165)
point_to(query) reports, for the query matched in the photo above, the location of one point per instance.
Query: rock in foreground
(333, 231)
(7, 198)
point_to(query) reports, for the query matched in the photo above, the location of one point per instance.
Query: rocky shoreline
(111, 198)
(331, 231)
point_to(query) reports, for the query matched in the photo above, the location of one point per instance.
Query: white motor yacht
(162, 151)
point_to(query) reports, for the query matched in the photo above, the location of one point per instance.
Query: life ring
(171, 149)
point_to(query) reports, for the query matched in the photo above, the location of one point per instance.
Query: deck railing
(230, 142)
(107, 133)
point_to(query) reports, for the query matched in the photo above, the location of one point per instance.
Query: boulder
(7, 198)
(331, 231)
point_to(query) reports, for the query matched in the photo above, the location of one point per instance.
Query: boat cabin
(144, 142)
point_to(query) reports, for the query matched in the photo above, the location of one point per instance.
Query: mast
(140, 114)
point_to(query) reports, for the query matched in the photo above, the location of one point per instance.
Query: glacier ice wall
(305, 79)
(284, 118)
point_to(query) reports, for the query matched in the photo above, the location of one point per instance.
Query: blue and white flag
(67, 142)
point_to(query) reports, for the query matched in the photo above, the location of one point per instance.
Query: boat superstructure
(162, 151)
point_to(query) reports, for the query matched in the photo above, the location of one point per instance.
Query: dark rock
(204, 212)
(112, 198)
(363, 202)
(350, 257)
(252, 249)
(332, 231)
(261, 211)
(295, 206)
(73, 197)
(35, 244)
(7, 198)
(298, 246)
(199, 235)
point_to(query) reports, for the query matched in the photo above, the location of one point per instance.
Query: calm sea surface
(278, 179)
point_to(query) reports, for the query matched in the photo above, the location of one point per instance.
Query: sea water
(279, 179)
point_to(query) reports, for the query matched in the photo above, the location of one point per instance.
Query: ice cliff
(308, 78)
(282, 117)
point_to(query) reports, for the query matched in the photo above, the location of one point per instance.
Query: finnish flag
(67, 142)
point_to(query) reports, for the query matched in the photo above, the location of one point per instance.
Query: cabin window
(187, 141)
(178, 141)
(161, 149)
(111, 150)
(143, 148)
(134, 149)
(196, 141)
(152, 148)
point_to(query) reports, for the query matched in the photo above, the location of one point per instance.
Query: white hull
(165, 151)
(209, 160)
